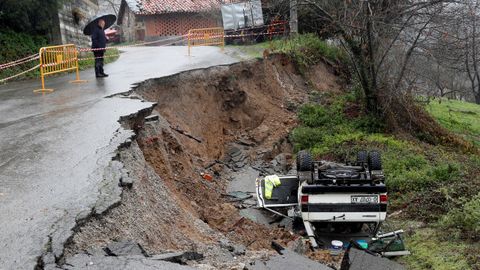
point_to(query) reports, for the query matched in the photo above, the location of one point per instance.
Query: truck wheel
(304, 161)
(362, 157)
(375, 161)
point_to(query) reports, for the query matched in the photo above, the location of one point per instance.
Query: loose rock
(124, 248)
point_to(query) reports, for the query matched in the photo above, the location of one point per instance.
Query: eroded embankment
(220, 121)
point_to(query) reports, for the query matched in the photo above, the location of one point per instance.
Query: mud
(229, 122)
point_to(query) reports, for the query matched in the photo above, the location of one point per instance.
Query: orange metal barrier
(206, 37)
(57, 59)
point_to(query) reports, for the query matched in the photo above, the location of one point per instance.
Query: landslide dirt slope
(201, 112)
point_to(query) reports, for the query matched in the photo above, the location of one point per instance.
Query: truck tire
(374, 161)
(304, 161)
(362, 157)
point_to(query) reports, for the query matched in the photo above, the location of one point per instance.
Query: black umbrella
(108, 18)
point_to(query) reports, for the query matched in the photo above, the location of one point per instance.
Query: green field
(460, 117)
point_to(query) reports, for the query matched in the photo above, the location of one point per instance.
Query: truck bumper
(344, 216)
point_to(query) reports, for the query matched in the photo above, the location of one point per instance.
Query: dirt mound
(200, 114)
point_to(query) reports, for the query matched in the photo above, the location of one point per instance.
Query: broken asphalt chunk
(356, 259)
(124, 248)
(178, 257)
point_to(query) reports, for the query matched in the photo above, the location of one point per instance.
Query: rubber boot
(102, 72)
(97, 73)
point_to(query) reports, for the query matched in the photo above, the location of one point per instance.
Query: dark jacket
(99, 40)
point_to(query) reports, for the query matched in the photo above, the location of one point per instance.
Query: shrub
(465, 220)
(308, 49)
(14, 46)
(319, 116)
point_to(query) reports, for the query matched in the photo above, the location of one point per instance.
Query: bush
(14, 46)
(319, 116)
(308, 49)
(465, 220)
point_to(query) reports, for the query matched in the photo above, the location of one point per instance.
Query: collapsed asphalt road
(56, 150)
(229, 122)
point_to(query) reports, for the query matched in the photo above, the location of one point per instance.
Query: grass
(431, 184)
(431, 252)
(306, 50)
(462, 118)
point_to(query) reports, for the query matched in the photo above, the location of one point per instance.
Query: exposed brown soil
(225, 218)
(170, 206)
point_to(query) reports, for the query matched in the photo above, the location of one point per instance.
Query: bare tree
(381, 38)
(468, 35)
(110, 6)
(454, 51)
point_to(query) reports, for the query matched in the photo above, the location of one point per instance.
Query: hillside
(434, 189)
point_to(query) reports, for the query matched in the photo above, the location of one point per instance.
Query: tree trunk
(363, 71)
(477, 97)
(293, 17)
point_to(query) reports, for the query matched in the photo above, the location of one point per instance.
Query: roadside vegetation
(14, 46)
(308, 49)
(434, 187)
(111, 55)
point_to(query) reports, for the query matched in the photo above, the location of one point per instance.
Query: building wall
(176, 24)
(72, 18)
(129, 25)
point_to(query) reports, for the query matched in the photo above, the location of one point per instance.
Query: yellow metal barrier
(57, 59)
(205, 37)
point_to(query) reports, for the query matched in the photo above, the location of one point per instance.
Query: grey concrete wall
(71, 30)
(132, 26)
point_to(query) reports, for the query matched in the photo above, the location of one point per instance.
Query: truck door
(284, 195)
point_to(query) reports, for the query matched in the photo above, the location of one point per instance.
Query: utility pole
(294, 17)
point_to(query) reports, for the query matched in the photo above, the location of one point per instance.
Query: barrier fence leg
(189, 46)
(77, 80)
(43, 90)
(42, 77)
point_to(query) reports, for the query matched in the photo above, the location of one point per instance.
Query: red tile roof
(151, 7)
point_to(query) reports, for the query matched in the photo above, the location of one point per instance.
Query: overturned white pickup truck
(329, 196)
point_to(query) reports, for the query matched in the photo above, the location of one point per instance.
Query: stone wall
(72, 18)
(132, 29)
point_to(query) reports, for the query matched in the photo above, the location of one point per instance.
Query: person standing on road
(99, 43)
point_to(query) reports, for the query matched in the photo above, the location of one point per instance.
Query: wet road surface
(54, 148)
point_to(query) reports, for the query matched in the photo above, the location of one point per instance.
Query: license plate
(365, 199)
